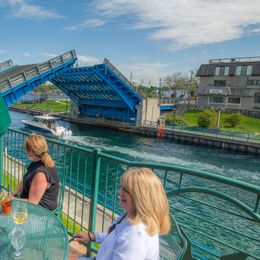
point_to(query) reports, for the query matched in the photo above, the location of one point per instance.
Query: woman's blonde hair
(151, 203)
(37, 145)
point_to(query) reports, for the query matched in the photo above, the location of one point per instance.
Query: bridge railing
(167, 101)
(119, 74)
(208, 131)
(219, 214)
(6, 65)
(36, 70)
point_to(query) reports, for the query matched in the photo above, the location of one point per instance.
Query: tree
(45, 88)
(180, 81)
(174, 119)
(194, 82)
(234, 119)
(176, 81)
(207, 118)
(146, 91)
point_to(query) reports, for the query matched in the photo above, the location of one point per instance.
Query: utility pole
(159, 90)
(191, 76)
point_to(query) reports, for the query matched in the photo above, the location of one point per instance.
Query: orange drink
(7, 205)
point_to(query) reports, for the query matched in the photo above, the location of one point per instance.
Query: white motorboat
(46, 124)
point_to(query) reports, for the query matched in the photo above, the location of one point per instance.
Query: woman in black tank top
(40, 184)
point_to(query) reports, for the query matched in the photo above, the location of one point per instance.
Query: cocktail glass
(7, 205)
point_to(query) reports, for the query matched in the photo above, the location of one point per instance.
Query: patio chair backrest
(175, 245)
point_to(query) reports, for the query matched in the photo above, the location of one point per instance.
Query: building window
(234, 100)
(257, 98)
(238, 70)
(253, 82)
(222, 71)
(249, 70)
(217, 70)
(244, 70)
(220, 83)
(226, 71)
(216, 99)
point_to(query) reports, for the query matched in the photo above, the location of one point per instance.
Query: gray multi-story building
(232, 83)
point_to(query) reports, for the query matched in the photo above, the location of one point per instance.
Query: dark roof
(206, 70)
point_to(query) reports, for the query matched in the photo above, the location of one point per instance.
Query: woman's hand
(82, 237)
(19, 189)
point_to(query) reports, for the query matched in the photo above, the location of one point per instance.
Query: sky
(145, 39)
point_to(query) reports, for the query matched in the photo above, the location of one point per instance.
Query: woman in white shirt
(135, 235)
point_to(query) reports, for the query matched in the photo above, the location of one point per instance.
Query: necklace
(114, 225)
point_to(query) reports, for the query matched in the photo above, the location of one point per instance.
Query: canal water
(240, 166)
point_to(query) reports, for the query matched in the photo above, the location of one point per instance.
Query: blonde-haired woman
(40, 184)
(135, 235)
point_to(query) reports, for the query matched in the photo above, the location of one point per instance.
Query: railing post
(180, 180)
(4, 124)
(94, 193)
(257, 203)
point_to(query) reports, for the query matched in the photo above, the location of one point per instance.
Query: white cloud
(22, 9)
(85, 60)
(26, 54)
(37, 55)
(43, 54)
(182, 23)
(49, 54)
(2, 51)
(89, 23)
(256, 30)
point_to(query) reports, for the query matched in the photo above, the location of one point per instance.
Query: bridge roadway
(16, 70)
(16, 81)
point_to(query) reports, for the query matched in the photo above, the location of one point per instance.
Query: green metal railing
(219, 214)
(240, 136)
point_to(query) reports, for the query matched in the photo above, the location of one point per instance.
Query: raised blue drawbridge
(99, 91)
(16, 81)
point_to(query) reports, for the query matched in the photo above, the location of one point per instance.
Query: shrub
(234, 119)
(176, 120)
(207, 118)
(179, 121)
